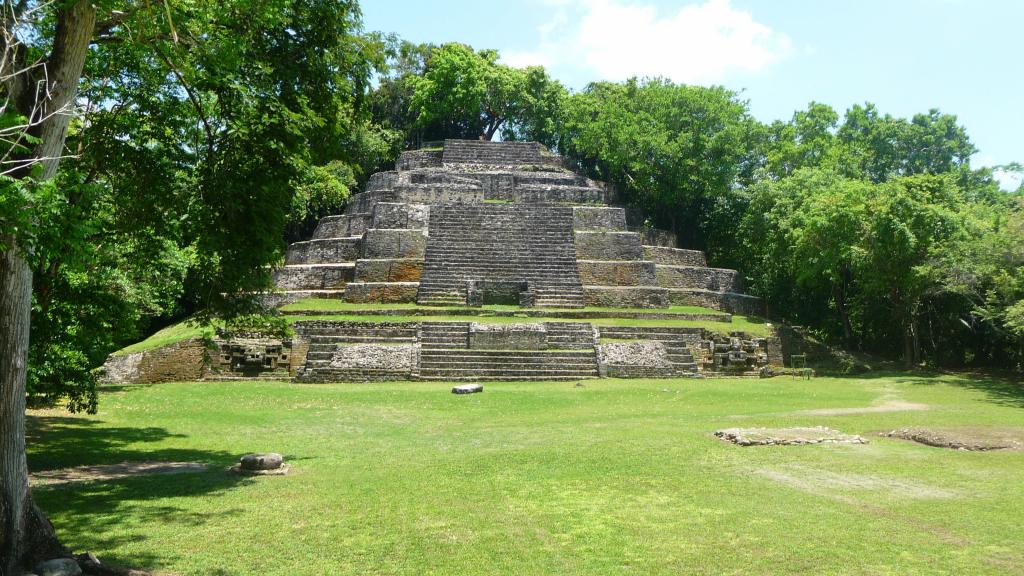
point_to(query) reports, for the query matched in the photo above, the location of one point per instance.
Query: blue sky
(907, 56)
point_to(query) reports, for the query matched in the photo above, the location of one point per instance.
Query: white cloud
(613, 39)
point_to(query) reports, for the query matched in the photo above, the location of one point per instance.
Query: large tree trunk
(25, 534)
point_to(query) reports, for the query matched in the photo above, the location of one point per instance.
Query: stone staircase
(677, 342)
(444, 355)
(501, 243)
(325, 338)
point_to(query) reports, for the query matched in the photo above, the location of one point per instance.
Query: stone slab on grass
(787, 436)
(468, 389)
(968, 439)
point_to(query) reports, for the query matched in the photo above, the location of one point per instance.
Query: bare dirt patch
(827, 482)
(968, 439)
(787, 436)
(889, 406)
(111, 472)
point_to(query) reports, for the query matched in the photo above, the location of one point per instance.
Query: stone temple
(469, 224)
(497, 223)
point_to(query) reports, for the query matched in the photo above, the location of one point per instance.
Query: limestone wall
(497, 153)
(617, 273)
(413, 159)
(599, 218)
(714, 279)
(181, 361)
(324, 251)
(401, 215)
(394, 243)
(608, 245)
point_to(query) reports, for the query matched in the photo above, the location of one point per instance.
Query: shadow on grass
(102, 515)
(1003, 389)
(62, 442)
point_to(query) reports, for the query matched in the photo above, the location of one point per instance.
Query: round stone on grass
(468, 389)
(261, 464)
(267, 461)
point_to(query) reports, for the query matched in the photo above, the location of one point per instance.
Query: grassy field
(616, 477)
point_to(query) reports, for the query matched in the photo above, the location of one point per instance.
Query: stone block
(608, 246)
(507, 336)
(599, 218)
(438, 194)
(382, 181)
(381, 292)
(415, 159)
(324, 251)
(394, 243)
(625, 296)
(389, 270)
(314, 276)
(674, 256)
(342, 226)
(396, 215)
(713, 279)
(726, 301)
(617, 273)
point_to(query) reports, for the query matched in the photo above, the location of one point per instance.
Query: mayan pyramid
(477, 222)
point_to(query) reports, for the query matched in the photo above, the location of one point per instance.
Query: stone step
(506, 373)
(478, 378)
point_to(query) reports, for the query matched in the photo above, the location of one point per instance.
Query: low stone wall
(497, 153)
(599, 218)
(713, 279)
(364, 202)
(342, 226)
(725, 301)
(558, 195)
(397, 215)
(607, 245)
(437, 194)
(625, 296)
(324, 251)
(413, 159)
(674, 256)
(657, 237)
(382, 181)
(507, 336)
(315, 277)
(381, 292)
(389, 270)
(398, 358)
(181, 361)
(394, 243)
(621, 273)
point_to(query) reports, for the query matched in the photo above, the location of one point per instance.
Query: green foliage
(211, 130)
(257, 325)
(674, 150)
(468, 94)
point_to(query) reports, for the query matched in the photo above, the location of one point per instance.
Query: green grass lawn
(617, 477)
